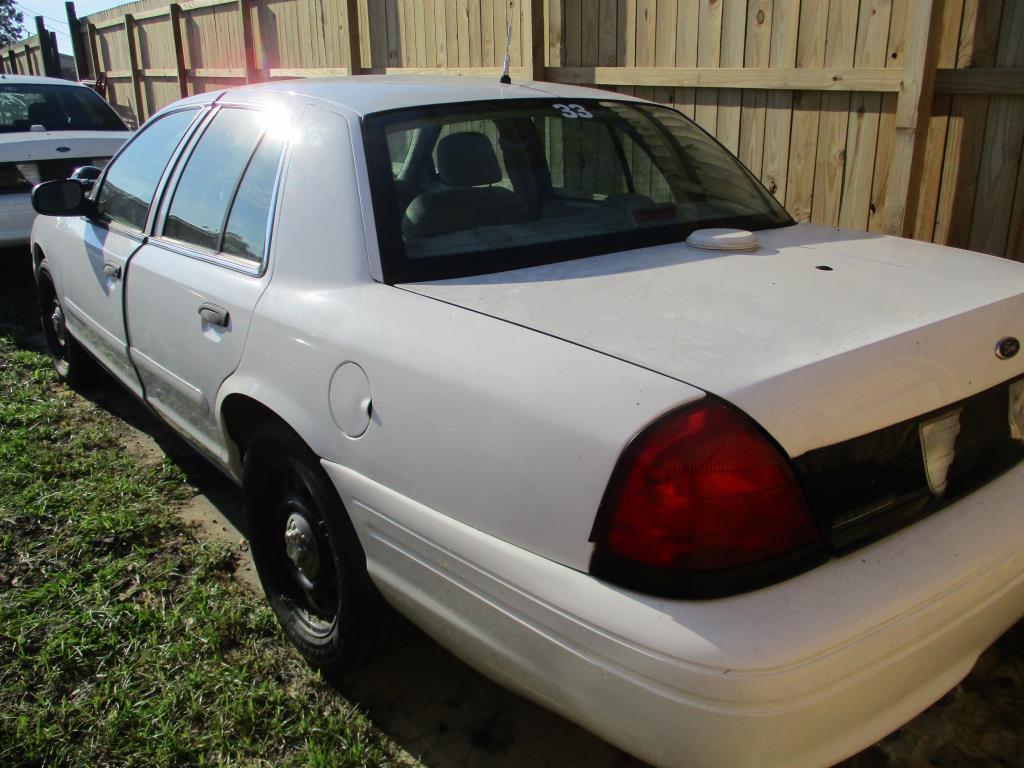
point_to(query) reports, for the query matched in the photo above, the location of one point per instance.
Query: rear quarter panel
(505, 429)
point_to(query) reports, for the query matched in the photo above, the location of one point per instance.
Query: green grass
(124, 640)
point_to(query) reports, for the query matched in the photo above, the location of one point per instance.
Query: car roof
(366, 94)
(37, 80)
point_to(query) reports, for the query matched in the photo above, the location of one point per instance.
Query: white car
(548, 368)
(48, 128)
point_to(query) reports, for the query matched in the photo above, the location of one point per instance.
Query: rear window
(55, 107)
(465, 189)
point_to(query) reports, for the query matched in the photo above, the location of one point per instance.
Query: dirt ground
(446, 715)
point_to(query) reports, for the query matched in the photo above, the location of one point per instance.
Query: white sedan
(48, 128)
(551, 372)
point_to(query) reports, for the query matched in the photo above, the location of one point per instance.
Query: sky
(55, 17)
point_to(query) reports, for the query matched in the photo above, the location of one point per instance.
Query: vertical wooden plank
(734, 23)
(589, 36)
(779, 104)
(353, 54)
(912, 105)
(573, 31)
(440, 34)
(133, 67)
(887, 120)
(607, 33)
(865, 112)
(473, 22)
(709, 52)
(687, 26)
(1004, 139)
(830, 158)
(665, 44)
(979, 36)
(533, 45)
(938, 125)
(810, 52)
(487, 41)
(757, 53)
(555, 33)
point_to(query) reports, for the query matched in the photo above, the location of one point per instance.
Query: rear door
(96, 250)
(195, 283)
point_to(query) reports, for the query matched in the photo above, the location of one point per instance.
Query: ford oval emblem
(63, 149)
(1007, 348)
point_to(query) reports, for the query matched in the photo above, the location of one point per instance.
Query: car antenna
(505, 78)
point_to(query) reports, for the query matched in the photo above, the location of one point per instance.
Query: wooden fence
(905, 116)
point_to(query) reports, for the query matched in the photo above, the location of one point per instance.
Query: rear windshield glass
(466, 189)
(55, 107)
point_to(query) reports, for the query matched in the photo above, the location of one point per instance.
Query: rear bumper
(16, 217)
(803, 673)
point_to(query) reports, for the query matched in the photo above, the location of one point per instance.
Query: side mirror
(86, 175)
(61, 198)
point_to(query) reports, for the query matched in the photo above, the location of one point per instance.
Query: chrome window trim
(234, 263)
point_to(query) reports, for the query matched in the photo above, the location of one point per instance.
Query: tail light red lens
(701, 490)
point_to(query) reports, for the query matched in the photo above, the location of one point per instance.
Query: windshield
(55, 107)
(466, 189)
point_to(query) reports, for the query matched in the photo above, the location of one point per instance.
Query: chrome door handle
(214, 315)
(111, 270)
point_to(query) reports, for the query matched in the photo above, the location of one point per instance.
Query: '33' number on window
(572, 110)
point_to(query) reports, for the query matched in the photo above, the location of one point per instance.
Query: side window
(207, 185)
(131, 180)
(246, 232)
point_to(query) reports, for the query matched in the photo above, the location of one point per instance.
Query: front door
(97, 250)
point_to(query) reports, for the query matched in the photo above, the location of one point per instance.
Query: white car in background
(548, 368)
(48, 128)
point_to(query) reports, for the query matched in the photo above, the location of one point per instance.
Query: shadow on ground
(449, 716)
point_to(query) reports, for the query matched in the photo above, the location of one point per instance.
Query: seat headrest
(467, 160)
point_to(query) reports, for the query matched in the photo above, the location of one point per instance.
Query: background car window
(55, 107)
(246, 232)
(208, 183)
(131, 180)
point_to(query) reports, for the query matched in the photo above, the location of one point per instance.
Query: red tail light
(703, 490)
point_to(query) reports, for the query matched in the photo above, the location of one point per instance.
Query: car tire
(73, 364)
(308, 557)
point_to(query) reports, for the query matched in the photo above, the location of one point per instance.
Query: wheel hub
(59, 324)
(300, 546)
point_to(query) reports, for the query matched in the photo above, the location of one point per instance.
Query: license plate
(1017, 410)
(938, 448)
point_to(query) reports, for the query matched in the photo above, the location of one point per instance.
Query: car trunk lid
(820, 335)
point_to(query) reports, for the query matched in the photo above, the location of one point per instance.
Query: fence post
(94, 51)
(30, 65)
(913, 107)
(51, 65)
(535, 41)
(179, 49)
(12, 61)
(252, 74)
(353, 52)
(133, 68)
(77, 49)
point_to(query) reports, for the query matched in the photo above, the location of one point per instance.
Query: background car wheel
(307, 555)
(72, 363)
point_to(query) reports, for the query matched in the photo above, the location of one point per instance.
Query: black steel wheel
(307, 555)
(70, 361)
